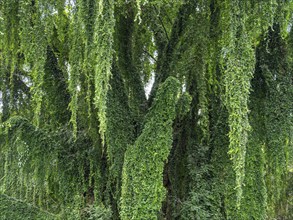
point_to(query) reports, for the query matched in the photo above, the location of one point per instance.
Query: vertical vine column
(142, 176)
(9, 49)
(34, 48)
(104, 29)
(76, 35)
(237, 62)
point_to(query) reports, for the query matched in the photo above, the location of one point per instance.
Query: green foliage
(119, 135)
(34, 47)
(142, 188)
(75, 60)
(85, 134)
(238, 61)
(104, 29)
(254, 204)
(11, 208)
(237, 65)
(275, 70)
(97, 213)
(90, 212)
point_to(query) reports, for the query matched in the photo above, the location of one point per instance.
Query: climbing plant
(146, 109)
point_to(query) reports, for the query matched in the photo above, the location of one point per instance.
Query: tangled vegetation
(146, 109)
(13, 209)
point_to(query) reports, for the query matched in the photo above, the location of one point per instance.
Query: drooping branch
(104, 29)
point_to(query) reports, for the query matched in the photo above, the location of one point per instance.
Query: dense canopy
(146, 109)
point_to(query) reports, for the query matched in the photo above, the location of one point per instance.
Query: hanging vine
(104, 29)
(34, 48)
(147, 109)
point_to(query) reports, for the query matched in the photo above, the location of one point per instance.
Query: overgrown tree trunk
(147, 109)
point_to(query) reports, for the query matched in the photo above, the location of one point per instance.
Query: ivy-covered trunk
(146, 109)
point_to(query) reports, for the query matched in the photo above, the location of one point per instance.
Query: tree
(85, 134)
